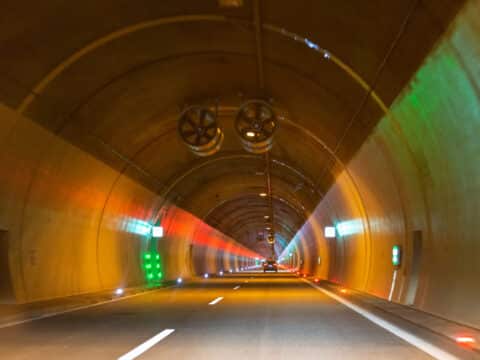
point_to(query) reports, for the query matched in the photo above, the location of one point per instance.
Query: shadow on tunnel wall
(414, 183)
(75, 225)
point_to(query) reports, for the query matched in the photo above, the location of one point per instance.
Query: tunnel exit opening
(7, 295)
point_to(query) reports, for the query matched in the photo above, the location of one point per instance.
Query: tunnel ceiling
(112, 78)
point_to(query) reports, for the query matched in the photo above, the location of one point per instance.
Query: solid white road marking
(139, 350)
(216, 301)
(421, 344)
(46, 316)
(236, 287)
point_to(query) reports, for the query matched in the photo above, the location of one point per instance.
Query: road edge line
(419, 343)
(83, 307)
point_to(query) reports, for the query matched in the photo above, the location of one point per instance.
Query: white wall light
(329, 232)
(157, 231)
(119, 291)
(350, 227)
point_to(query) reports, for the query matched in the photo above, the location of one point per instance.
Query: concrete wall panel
(417, 177)
(76, 225)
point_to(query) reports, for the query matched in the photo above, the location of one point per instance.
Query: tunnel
(158, 158)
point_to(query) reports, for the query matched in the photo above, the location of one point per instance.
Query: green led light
(152, 266)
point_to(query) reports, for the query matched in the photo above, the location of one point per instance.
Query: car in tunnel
(270, 265)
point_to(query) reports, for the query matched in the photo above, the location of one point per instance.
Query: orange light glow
(316, 280)
(343, 291)
(179, 223)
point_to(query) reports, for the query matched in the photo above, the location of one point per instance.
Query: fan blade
(191, 122)
(197, 139)
(188, 133)
(202, 117)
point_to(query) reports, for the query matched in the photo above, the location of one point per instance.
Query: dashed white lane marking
(421, 344)
(236, 287)
(216, 301)
(139, 350)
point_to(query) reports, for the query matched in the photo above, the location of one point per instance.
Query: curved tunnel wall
(75, 225)
(414, 183)
(195, 247)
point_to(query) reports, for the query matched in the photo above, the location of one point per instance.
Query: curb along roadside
(89, 301)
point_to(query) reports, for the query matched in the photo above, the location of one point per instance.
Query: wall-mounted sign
(329, 232)
(396, 255)
(157, 231)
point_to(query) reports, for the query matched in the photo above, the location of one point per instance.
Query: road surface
(242, 316)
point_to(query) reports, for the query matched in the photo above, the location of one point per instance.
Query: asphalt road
(258, 317)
